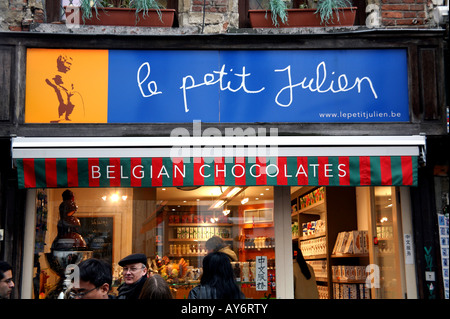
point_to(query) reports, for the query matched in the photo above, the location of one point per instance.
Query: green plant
(325, 9)
(278, 9)
(143, 6)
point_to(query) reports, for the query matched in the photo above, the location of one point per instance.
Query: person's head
(215, 243)
(298, 256)
(6, 282)
(155, 287)
(134, 268)
(95, 280)
(218, 273)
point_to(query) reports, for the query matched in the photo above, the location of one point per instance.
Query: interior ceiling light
(115, 197)
(231, 192)
(217, 204)
(244, 201)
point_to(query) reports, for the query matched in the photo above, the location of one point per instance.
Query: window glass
(388, 249)
(169, 225)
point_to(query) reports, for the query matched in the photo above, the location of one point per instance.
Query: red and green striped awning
(229, 171)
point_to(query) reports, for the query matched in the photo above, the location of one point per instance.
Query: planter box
(302, 18)
(127, 17)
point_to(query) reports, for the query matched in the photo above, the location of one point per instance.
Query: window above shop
(247, 6)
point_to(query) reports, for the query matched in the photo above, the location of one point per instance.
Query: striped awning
(154, 162)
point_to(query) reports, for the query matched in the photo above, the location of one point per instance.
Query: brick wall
(404, 12)
(18, 15)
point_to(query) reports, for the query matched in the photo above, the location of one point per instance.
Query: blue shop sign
(227, 86)
(340, 86)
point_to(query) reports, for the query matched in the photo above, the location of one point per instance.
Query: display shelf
(256, 238)
(350, 255)
(314, 236)
(195, 240)
(257, 225)
(186, 255)
(316, 208)
(313, 257)
(200, 224)
(349, 281)
(336, 206)
(322, 279)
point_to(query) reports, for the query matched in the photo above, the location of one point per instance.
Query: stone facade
(218, 16)
(19, 15)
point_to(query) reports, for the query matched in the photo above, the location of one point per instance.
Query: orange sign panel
(66, 86)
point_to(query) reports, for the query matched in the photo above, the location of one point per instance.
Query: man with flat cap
(134, 275)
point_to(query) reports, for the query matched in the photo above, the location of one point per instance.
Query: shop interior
(350, 236)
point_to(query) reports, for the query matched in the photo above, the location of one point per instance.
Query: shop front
(160, 149)
(167, 208)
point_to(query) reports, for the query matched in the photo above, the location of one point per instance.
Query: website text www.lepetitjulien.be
(361, 115)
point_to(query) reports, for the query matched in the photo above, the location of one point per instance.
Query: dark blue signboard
(305, 86)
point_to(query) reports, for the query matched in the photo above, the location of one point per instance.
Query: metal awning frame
(234, 146)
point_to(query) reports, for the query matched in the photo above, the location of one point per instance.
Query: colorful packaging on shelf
(237, 270)
(312, 197)
(313, 227)
(315, 246)
(294, 229)
(320, 226)
(319, 267)
(364, 292)
(360, 272)
(323, 292)
(350, 272)
(351, 242)
(245, 271)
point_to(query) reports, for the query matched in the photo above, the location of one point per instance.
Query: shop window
(387, 254)
(169, 225)
(351, 237)
(245, 5)
(55, 9)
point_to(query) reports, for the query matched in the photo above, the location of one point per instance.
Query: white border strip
(68, 142)
(110, 147)
(214, 152)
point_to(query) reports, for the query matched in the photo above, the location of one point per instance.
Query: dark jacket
(206, 292)
(202, 292)
(131, 291)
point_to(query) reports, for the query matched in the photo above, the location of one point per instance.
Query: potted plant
(311, 13)
(126, 13)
